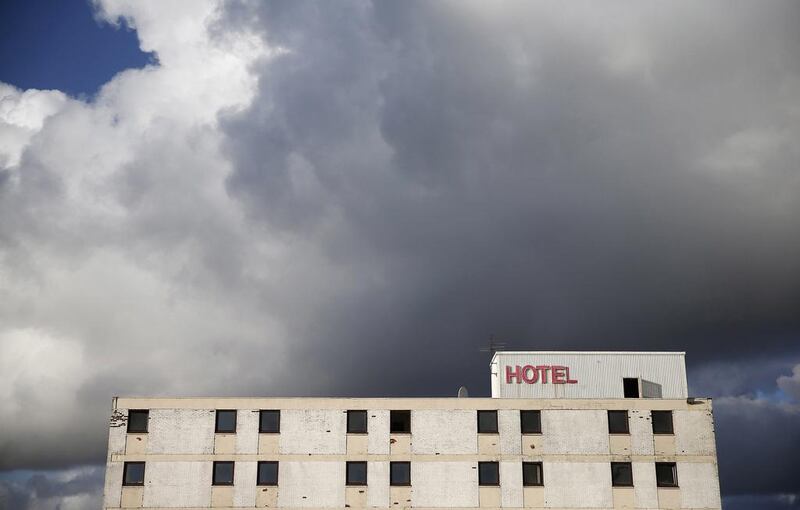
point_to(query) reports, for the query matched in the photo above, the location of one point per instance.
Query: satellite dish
(462, 392)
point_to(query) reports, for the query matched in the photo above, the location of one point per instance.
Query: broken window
(666, 474)
(618, 422)
(630, 386)
(621, 474)
(532, 474)
(400, 422)
(662, 422)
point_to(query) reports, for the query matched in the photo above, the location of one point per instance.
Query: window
(399, 473)
(356, 422)
(400, 422)
(621, 474)
(137, 420)
(356, 473)
(530, 422)
(630, 386)
(226, 422)
(618, 422)
(487, 422)
(662, 422)
(666, 474)
(133, 473)
(269, 421)
(223, 473)
(532, 474)
(268, 473)
(488, 473)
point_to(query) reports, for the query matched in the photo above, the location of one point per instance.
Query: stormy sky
(348, 198)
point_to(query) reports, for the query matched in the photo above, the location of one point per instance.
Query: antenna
(494, 346)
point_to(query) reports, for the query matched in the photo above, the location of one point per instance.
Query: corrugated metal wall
(599, 374)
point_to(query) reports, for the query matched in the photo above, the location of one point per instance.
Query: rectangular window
(400, 422)
(268, 473)
(621, 474)
(356, 473)
(356, 422)
(666, 474)
(487, 422)
(133, 473)
(223, 473)
(226, 422)
(488, 473)
(618, 422)
(662, 422)
(530, 422)
(399, 473)
(137, 421)
(630, 386)
(269, 421)
(532, 474)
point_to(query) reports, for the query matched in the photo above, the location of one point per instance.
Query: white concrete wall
(311, 484)
(575, 431)
(511, 484)
(641, 428)
(247, 431)
(316, 431)
(378, 484)
(644, 484)
(577, 485)
(244, 479)
(179, 431)
(117, 432)
(112, 491)
(694, 432)
(177, 484)
(378, 428)
(444, 431)
(510, 431)
(444, 484)
(699, 485)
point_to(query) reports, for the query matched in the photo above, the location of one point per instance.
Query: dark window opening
(223, 473)
(621, 474)
(530, 422)
(400, 422)
(618, 422)
(226, 422)
(399, 473)
(532, 474)
(356, 473)
(666, 474)
(662, 422)
(137, 420)
(269, 421)
(356, 422)
(487, 422)
(630, 386)
(488, 473)
(133, 473)
(268, 473)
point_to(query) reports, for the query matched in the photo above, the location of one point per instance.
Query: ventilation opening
(631, 387)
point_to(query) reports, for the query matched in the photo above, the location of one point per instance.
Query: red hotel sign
(531, 374)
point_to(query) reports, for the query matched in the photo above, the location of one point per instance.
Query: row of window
(400, 421)
(400, 473)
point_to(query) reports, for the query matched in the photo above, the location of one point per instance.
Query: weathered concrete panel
(444, 484)
(641, 428)
(378, 428)
(180, 431)
(320, 431)
(378, 484)
(644, 485)
(444, 431)
(510, 432)
(694, 432)
(244, 489)
(247, 431)
(575, 432)
(311, 484)
(112, 491)
(577, 485)
(699, 485)
(117, 432)
(177, 484)
(511, 484)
